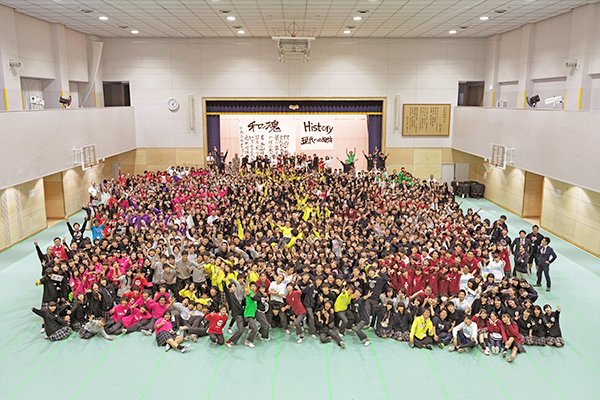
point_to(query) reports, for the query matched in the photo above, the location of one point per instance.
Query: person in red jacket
(454, 279)
(471, 261)
(295, 303)
(217, 323)
(59, 250)
(512, 338)
(505, 256)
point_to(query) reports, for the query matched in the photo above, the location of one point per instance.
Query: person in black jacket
(237, 314)
(553, 333)
(536, 240)
(56, 327)
(76, 231)
(79, 312)
(359, 308)
(325, 321)
(402, 323)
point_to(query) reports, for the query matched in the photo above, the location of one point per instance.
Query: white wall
(551, 47)
(34, 41)
(509, 62)
(559, 145)
(420, 70)
(77, 56)
(41, 142)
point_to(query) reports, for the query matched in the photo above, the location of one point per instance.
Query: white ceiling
(318, 18)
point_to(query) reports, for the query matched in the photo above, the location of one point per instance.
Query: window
(116, 94)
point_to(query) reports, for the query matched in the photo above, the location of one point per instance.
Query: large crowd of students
(293, 244)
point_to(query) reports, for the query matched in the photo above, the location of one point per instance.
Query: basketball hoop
(100, 166)
(488, 168)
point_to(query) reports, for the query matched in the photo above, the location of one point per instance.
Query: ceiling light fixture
(484, 18)
(363, 11)
(103, 18)
(452, 32)
(231, 18)
(500, 11)
(86, 11)
(135, 32)
(357, 18)
(224, 11)
(241, 32)
(124, 26)
(346, 32)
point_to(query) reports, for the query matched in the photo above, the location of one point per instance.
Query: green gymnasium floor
(134, 367)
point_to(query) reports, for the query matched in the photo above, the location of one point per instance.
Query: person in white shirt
(464, 278)
(496, 267)
(277, 289)
(465, 335)
(93, 191)
(461, 302)
(431, 180)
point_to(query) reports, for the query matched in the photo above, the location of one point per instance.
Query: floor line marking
(19, 337)
(493, 376)
(97, 366)
(152, 376)
(545, 376)
(328, 374)
(436, 374)
(212, 382)
(276, 365)
(387, 396)
(37, 369)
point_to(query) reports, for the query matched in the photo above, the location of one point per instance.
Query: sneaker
(194, 338)
(511, 358)
(496, 350)
(451, 348)
(313, 336)
(367, 343)
(287, 331)
(167, 347)
(536, 285)
(547, 289)
(428, 347)
(441, 345)
(43, 330)
(370, 328)
(504, 353)
(411, 345)
(300, 340)
(461, 350)
(230, 331)
(228, 344)
(124, 331)
(250, 344)
(146, 332)
(343, 345)
(341, 335)
(187, 346)
(486, 352)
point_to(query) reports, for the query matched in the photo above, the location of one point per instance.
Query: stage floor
(134, 367)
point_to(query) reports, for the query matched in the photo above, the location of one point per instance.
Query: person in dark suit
(522, 240)
(546, 256)
(536, 240)
(497, 228)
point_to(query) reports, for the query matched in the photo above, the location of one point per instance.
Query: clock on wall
(173, 104)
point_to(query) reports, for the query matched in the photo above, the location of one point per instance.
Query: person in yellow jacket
(341, 307)
(422, 333)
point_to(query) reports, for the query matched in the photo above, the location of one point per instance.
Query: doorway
(459, 172)
(116, 94)
(532, 196)
(54, 198)
(470, 94)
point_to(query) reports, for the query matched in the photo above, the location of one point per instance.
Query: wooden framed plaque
(426, 120)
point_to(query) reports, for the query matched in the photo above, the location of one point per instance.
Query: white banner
(316, 132)
(267, 134)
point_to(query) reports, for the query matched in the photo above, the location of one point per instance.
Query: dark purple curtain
(213, 132)
(374, 122)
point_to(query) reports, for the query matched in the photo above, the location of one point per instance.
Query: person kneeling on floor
(465, 335)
